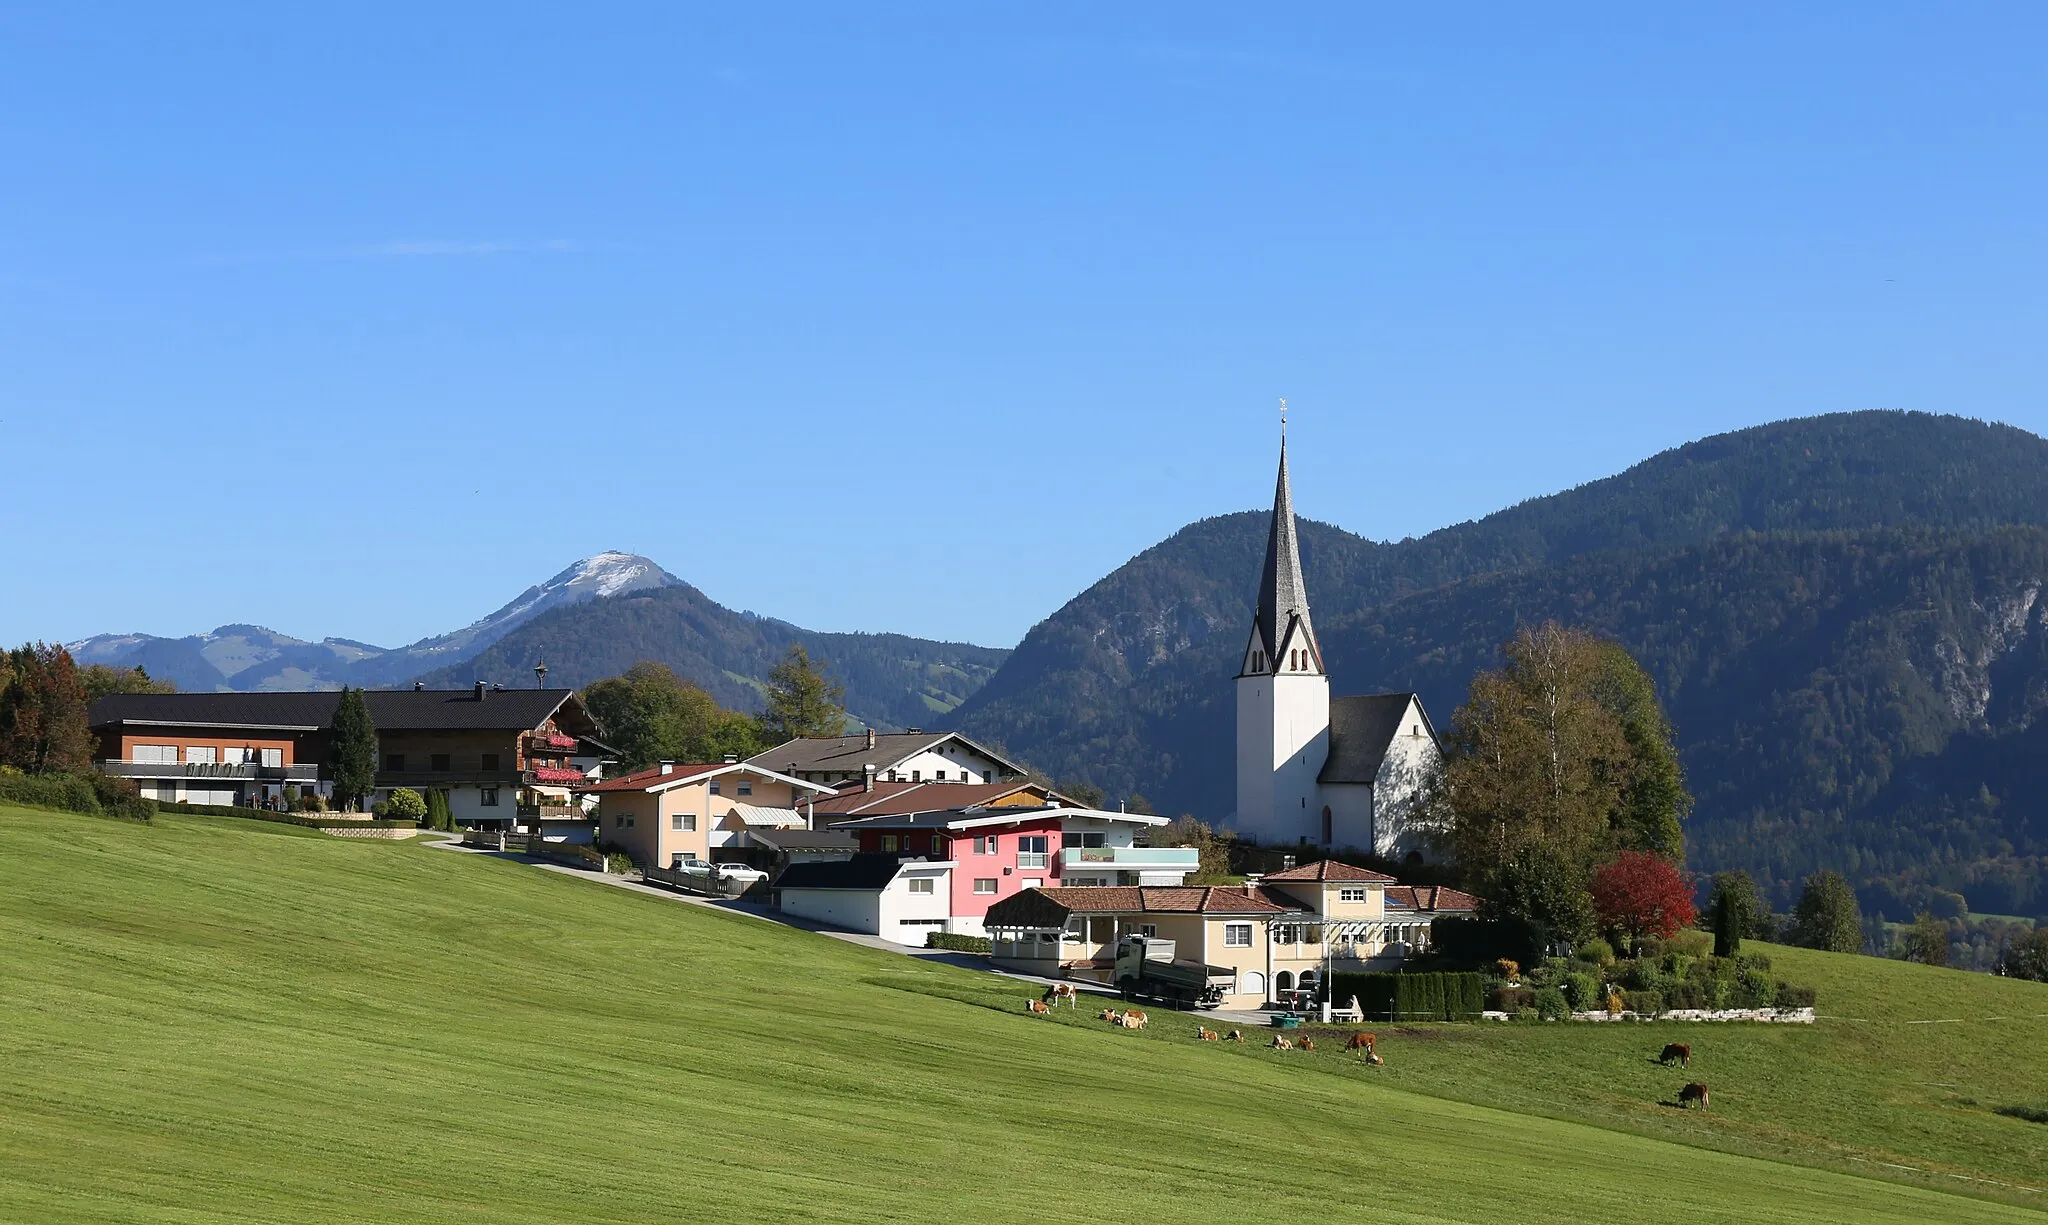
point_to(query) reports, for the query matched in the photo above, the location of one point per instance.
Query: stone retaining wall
(1789, 1016)
(342, 831)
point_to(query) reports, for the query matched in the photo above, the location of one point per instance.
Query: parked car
(738, 873)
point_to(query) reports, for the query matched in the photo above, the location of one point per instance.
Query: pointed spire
(1283, 596)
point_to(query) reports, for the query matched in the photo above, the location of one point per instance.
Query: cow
(1062, 993)
(1135, 1019)
(1361, 1042)
(1280, 1043)
(1678, 1053)
(1110, 1015)
(1236, 1036)
(1205, 1034)
(1308, 1044)
(1038, 1008)
(1694, 1092)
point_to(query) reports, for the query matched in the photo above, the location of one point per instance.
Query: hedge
(300, 819)
(1413, 997)
(959, 944)
(95, 795)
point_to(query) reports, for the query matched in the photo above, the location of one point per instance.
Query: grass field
(212, 1020)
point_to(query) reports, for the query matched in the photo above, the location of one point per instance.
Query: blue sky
(925, 318)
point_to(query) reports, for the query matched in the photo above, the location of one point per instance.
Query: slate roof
(1049, 906)
(681, 772)
(869, 872)
(390, 710)
(893, 799)
(1283, 596)
(1328, 869)
(851, 753)
(1437, 898)
(1361, 728)
(793, 840)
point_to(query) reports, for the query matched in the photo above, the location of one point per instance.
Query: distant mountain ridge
(1129, 685)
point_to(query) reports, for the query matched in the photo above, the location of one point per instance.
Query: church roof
(1361, 729)
(1283, 596)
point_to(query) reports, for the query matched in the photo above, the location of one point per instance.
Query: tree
(1544, 889)
(43, 726)
(1735, 907)
(405, 804)
(99, 680)
(437, 814)
(1086, 794)
(1642, 894)
(1927, 940)
(650, 714)
(352, 753)
(2028, 956)
(802, 701)
(1826, 916)
(1563, 748)
(1137, 803)
(1214, 861)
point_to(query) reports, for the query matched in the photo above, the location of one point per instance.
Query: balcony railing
(1133, 858)
(540, 743)
(210, 769)
(553, 812)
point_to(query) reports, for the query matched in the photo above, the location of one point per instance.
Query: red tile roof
(640, 780)
(1328, 869)
(1438, 898)
(1176, 899)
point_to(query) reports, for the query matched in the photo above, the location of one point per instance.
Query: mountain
(250, 657)
(891, 681)
(1838, 610)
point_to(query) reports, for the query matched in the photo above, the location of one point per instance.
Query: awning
(756, 816)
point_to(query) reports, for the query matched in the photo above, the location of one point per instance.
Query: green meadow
(218, 1020)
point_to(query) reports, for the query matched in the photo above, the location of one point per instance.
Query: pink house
(998, 852)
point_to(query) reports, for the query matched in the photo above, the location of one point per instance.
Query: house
(880, 798)
(1003, 850)
(501, 756)
(706, 811)
(900, 900)
(1313, 770)
(912, 756)
(1279, 934)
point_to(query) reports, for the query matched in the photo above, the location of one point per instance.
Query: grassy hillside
(210, 1020)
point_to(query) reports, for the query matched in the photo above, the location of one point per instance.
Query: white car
(738, 873)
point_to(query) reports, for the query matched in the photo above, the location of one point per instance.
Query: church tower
(1283, 697)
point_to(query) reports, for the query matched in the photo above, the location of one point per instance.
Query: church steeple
(1282, 625)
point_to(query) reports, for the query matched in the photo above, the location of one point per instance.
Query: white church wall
(1351, 812)
(1283, 738)
(1412, 758)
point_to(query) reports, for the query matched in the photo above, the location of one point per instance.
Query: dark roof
(860, 872)
(945, 818)
(892, 799)
(806, 840)
(1361, 728)
(1283, 595)
(1430, 898)
(850, 754)
(390, 710)
(1327, 869)
(1049, 906)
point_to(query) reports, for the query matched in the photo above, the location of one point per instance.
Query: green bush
(957, 943)
(405, 804)
(1691, 942)
(1596, 951)
(1551, 1004)
(1691, 995)
(1790, 996)
(1643, 1003)
(1513, 999)
(1753, 961)
(1583, 992)
(1644, 975)
(437, 814)
(94, 795)
(618, 864)
(1432, 996)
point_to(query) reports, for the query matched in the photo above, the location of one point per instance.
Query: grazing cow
(1038, 1008)
(1204, 1034)
(1062, 993)
(1373, 1057)
(1678, 1053)
(1236, 1036)
(1308, 1044)
(1361, 1042)
(1694, 1092)
(1280, 1043)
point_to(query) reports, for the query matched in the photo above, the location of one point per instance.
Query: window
(685, 822)
(490, 763)
(394, 762)
(235, 756)
(675, 822)
(920, 884)
(1032, 882)
(1073, 933)
(746, 787)
(1352, 893)
(985, 846)
(1237, 935)
(914, 776)
(1101, 929)
(894, 777)
(888, 842)
(438, 761)
(1285, 933)
(984, 884)
(714, 786)
(1031, 851)
(201, 753)
(1148, 929)
(490, 796)
(273, 758)
(155, 754)
(1093, 839)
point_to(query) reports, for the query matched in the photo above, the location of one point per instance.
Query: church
(1315, 770)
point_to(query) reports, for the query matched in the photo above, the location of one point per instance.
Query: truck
(1146, 969)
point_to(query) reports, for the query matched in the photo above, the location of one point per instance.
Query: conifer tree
(352, 757)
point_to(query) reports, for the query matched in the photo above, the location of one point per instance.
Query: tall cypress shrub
(352, 755)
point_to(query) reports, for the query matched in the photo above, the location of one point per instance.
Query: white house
(900, 900)
(914, 756)
(1313, 770)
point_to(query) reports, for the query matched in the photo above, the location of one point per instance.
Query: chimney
(867, 777)
(418, 686)
(914, 731)
(668, 767)
(732, 759)
(480, 691)
(871, 737)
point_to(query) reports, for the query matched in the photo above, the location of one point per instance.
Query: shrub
(1597, 951)
(405, 804)
(1643, 975)
(1677, 966)
(957, 943)
(1509, 969)
(1644, 1003)
(437, 814)
(1582, 991)
(1551, 1004)
(1753, 961)
(94, 795)
(1615, 1004)
(1753, 990)
(1691, 942)
(1513, 999)
(1790, 996)
(618, 865)
(312, 803)
(1691, 995)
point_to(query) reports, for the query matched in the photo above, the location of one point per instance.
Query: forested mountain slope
(1829, 603)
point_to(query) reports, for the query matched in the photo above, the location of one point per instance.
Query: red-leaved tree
(1642, 894)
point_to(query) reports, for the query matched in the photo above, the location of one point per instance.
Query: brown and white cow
(1205, 1034)
(1062, 993)
(1038, 1008)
